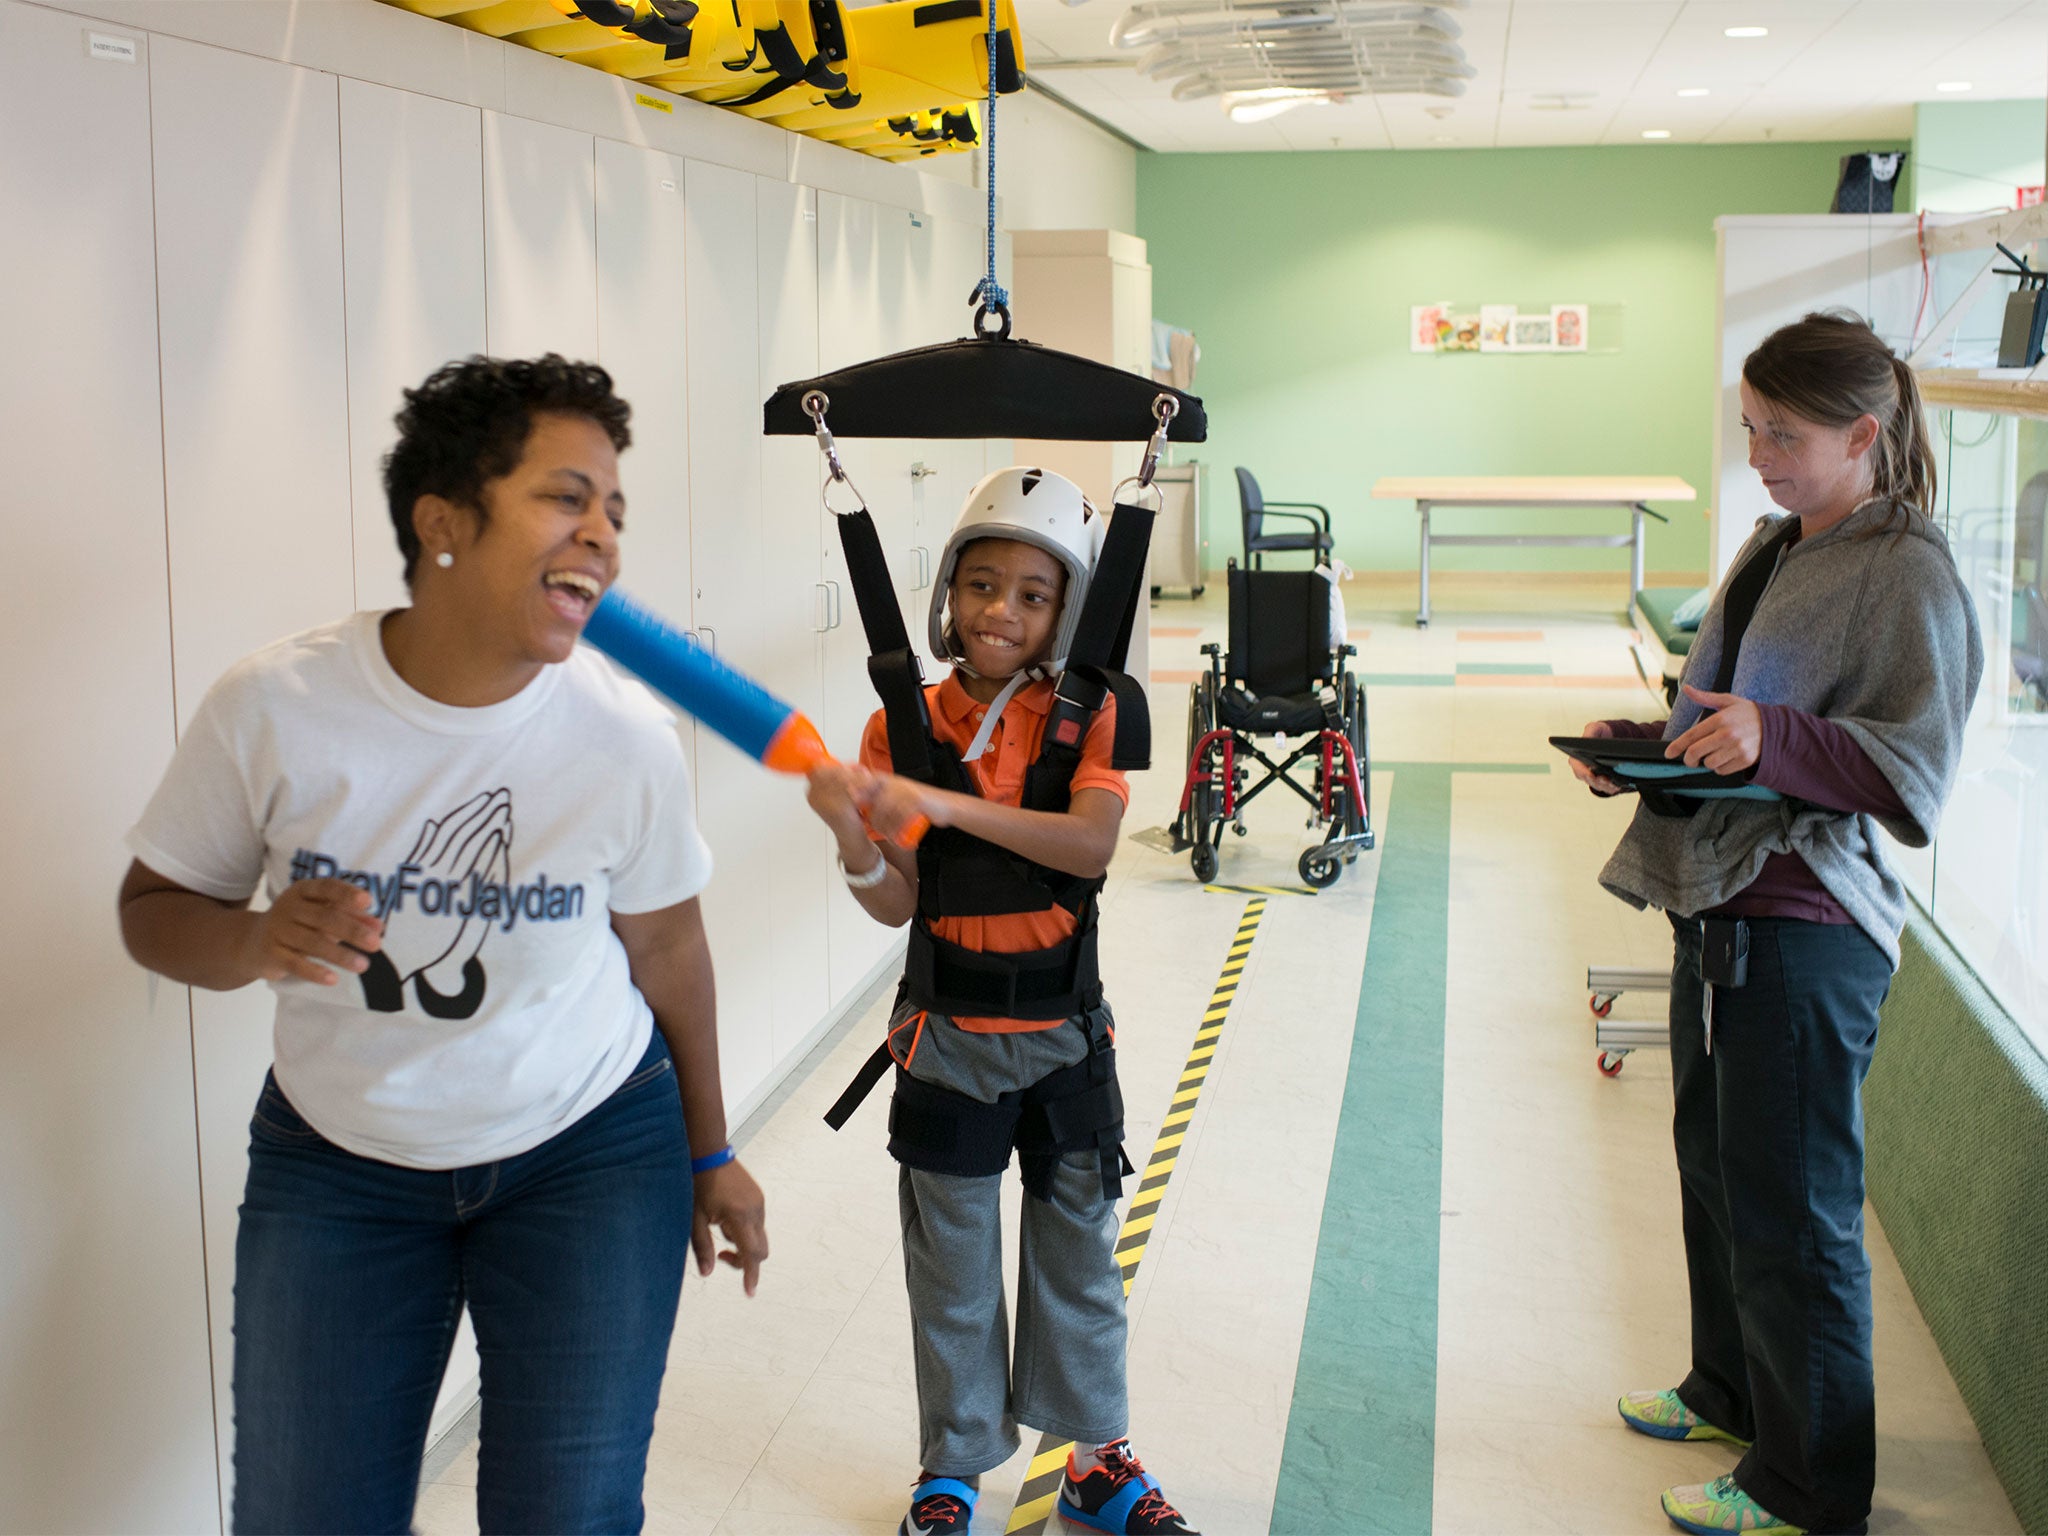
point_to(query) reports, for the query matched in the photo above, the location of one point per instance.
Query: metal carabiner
(1164, 409)
(815, 403)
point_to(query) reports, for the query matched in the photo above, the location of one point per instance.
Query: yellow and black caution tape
(1041, 1488)
(1261, 890)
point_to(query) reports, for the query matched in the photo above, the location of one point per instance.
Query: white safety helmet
(1032, 506)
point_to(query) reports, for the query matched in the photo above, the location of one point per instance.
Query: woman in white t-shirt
(496, 1079)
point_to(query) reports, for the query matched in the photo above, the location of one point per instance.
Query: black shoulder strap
(1085, 688)
(1745, 591)
(1108, 613)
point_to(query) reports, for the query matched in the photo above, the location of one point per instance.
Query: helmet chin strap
(995, 712)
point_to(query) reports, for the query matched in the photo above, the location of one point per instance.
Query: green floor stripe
(1361, 1434)
(1407, 680)
(1506, 669)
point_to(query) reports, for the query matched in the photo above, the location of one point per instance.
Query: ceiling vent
(1297, 50)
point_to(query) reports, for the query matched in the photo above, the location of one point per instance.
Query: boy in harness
(1000, 1038)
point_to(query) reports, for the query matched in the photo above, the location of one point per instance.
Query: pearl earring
(444, 559)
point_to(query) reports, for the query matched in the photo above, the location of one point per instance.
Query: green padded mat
(1956, 1107)
(1658, 605)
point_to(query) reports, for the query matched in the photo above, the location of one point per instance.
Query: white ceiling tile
(1830, 69)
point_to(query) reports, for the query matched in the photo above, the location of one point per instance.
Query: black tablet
(1638, 764)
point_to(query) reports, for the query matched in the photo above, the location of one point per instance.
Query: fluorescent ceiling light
(1656, 133)
(1695, 90)
(1747, 32)
(1262, 105)
(1953, 85)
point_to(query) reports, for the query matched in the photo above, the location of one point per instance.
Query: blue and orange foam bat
(764, 727)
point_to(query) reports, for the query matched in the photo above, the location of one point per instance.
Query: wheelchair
(1281, 676)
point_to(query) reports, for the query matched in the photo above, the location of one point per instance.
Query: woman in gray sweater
(1846, 692)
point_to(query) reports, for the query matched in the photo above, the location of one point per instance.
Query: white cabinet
(736, 799)
(256, 461)
(540, 238)
(106, 1399)
(796, 849)
(413, 274)
(642, 239)
(413, 266)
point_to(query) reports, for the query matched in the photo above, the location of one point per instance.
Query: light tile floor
(1561, 1279)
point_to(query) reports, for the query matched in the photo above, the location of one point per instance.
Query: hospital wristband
(711, 1160)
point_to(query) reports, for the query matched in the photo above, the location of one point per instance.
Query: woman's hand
(1728, 740)
(893, 803)
(1591, 777)
(315, 928)
(730, 1200)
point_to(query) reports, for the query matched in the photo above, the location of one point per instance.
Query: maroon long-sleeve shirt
(1810, 758)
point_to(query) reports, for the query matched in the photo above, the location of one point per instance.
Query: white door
(413, 273)
(850, 331)
(106, 1399)
(256, 462)
(641, 254)
(540, 238)
(736, 797)
(797, 847)
(413, 263)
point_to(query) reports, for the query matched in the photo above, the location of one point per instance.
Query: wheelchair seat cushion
(1275, 714)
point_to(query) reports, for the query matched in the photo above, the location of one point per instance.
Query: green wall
(1296, 273)
(1970, 156)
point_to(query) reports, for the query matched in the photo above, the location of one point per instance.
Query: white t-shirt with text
(495, 844)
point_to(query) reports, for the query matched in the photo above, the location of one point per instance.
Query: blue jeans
(351, 1274)
(1769, 1132)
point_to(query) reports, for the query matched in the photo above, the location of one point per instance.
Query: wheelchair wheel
(1318, 868)
(1204, 828)
(1358, 812)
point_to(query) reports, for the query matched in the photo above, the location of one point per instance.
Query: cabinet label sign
(119, 50)
(653, 103)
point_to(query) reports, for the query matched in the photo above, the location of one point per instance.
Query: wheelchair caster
(1610, 1063)
(1319, 869)
(1204, 861)
(1602, 1004)
(1239, 828)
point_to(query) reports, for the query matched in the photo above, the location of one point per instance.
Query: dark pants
(1769, 1132)
(350, 1276)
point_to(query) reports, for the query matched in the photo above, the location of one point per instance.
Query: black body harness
(959, 875)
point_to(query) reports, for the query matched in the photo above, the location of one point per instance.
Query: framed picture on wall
(1532, 333)
(1495, 323)
(1463, 334)
(1568, 327)
(1424, 324)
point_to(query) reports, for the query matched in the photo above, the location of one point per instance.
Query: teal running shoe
(1664, 1416)
(1719, 1507)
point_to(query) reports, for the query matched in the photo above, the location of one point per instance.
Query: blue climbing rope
(988, 291)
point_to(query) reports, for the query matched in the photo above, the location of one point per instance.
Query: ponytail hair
(1832, 368)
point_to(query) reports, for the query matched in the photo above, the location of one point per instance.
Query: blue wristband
(711, 1160)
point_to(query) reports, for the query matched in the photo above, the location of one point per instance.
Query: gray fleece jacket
(1876, 633)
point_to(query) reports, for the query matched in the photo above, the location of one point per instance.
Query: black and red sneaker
(1119, 1496)
(939, 1506)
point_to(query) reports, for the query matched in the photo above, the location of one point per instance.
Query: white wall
(1055, 170)
(248, 239)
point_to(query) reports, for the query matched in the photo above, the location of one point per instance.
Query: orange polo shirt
(998, 775)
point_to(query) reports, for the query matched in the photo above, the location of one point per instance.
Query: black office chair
(1258, 542)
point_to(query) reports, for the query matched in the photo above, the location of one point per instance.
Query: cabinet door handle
(821, 615)
(832, 593)
(710, 638)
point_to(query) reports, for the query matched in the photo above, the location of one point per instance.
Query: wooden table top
(1565, 490)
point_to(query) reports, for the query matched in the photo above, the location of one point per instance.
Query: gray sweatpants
(1069, 1357)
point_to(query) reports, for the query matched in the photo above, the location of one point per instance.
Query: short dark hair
(468, 424)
